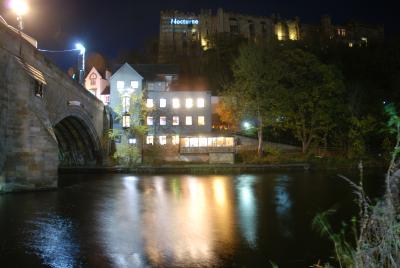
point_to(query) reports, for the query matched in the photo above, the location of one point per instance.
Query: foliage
(251, 95)
(310, 97)
(287, 88)
(378, 232)
(127, 155)
(217, 60)
(359, 128)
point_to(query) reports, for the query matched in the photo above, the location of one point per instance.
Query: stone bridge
(46, 118)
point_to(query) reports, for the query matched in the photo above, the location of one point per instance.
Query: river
(118, 220)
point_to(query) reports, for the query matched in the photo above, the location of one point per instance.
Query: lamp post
(20, 7)
(82, 51)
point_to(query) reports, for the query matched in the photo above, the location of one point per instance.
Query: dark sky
(111, 26)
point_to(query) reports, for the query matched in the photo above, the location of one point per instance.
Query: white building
(99, 86)
(174, 117)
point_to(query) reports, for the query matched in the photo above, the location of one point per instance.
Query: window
(200, 121)
(188, 120)
(134, 84)
(38, 89)
(202, 142)
(163, 120)
(175, 120)
(176, 103)
(132, 141)
(194, 142)
(200, 103)
(126, 103)
(175, 139)
(189, 103)
(341, 32)
(149, 120)
(233, 25)
(162, 140)
(163, 103)
(93, 78)
(150, 140)
(120, 84)
(149, 103)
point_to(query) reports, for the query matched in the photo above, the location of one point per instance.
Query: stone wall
(28, 145)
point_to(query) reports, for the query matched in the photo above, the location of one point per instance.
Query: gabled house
(99, 85)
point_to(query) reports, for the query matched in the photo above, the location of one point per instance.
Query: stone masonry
(34, 129)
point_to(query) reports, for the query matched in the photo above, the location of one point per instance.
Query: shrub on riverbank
(377, 236)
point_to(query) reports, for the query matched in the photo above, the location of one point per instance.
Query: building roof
(151, 72)
(106, 91)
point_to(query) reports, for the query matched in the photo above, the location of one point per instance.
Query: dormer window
(93, 78)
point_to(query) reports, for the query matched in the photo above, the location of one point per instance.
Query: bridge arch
(78, 142)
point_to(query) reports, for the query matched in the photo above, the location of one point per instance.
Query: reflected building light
(130, 178)
(248, 209)
(219, 191)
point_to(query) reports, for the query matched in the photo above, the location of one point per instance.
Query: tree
(310, 96)
(256, 78)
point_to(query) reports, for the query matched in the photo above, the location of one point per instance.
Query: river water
(117, 220)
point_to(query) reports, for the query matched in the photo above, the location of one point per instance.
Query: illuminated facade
(188, 34)
(98, 86)
(173, 117)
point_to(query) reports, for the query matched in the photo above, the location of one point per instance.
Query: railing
(206, 150)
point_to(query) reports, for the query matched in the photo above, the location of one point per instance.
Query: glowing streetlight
(82, 51)
(20, 7)
(246, 125)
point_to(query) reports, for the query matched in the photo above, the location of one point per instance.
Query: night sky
(109, 27)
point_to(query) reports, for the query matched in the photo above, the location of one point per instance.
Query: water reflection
(176, 221)
(283, 204)
(53, 239)
(120, 219)
(247, 209)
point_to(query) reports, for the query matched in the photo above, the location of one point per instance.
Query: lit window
(126, 103)
(149, 120)
(163, 120)
(188, 120)
(149, 103)
(163, 103)
(162, 140)
(200, 103)
(189, 103)
(150, 140)
(229, 142)
(200, 121)
(185, 142)
(175, 139)
(194, 142)
(175, 120)
(202, 142)
(350, 44)
(134, 84)
(176, 103)
(132, 141)
(120, 84)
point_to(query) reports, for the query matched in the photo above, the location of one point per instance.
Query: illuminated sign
(184, 21)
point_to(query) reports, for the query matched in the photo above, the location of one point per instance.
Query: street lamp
(246, 125)
(126, 120)
(20, 7)
(82, 51)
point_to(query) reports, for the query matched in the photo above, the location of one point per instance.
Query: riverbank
(185, 169)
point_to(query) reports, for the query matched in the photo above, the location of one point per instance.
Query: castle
(188, 34)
